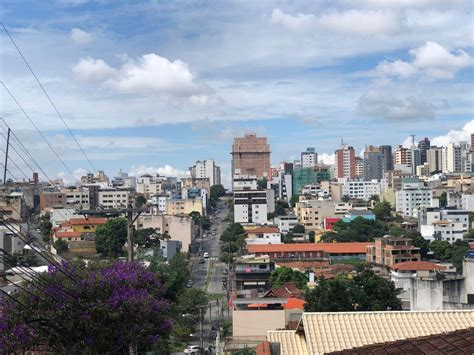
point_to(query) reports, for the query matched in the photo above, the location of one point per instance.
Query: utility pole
(130, 232)
(200, 328)
(6, 157)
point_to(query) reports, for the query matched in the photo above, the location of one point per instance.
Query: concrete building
(363, 190)
(149, 185)
(206, 169)
(309, 158)
(251, 156)
(424, 146)
(311, 213)
(413, 196)
(179, 227)
(158, 203)
(244, 182)
(169, 248)
(359, 167)
(62, 215)
(253, 272)
(307, 176)
(185, 207)
(113, 198)
(434, 158)
(388, 251)
(387, 157)
(452, 161)
(345, 162)
(443, 224)
(467, 202)
(263, 235)
(286, 223)
(402, 156)
(250, 206)
(373, 164)
(99, 178)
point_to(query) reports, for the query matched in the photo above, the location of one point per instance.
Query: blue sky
(156, 85)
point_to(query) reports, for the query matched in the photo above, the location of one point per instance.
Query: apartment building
(251, 156)
(250, 206)
(309, 158)
(345, 162)
(388, 251)
(113, 198)
(363, 190)
(206, 169)
(185, 207)
(443, 224)
(413, 196)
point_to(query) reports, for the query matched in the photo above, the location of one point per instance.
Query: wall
(256, 323)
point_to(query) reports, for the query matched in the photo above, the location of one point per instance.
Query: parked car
(193, 349)
(190, 284)
(206, 255)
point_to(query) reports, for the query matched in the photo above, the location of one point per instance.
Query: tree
(443, 199)
(280, 208)
(345, 198)
(299, 228)
(375, 198)
(271, 215)
(173, 274)
(147, 237)
(262, 183)
(111, 236)
(285, 274)
(140, 200)
(357, 230)
(217, 191)
(61, 245)
(311, 236)
(288, 238)
(365, 292)
(103, 308)
(294, 199)
(419, 242)
(45, 225)
(453, 253)
(383, 211)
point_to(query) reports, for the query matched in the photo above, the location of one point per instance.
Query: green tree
(375, 198)
(61, 246)
(345, 198)
(311, 236)
(140, 200)
(173, 274)
(443, 199)
(357, 230)
(271, 215)
(280, 208)
(299, 228)
(383, 211)
(111, 236)
(453, 253)
(262, 183)
(294, 199)
(288, 238)
(147, 237)
(45, 225)
(329, 296)
(419, 242)
(285, 274)
(217, 191)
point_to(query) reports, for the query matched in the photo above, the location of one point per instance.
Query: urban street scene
(236, 177)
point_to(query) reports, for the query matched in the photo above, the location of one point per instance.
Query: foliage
(357, 230)
(383, 210)
(185, 310)
(299, 228)
(45, 225)
(471, 219)
(365, 292)
(311, 236)
(453, 253)
(288, 238)
(173, 274)
(61, 245)
(93, 309)
(147, 237)
(232, 232)
(345, 198)
(262, 183)
(227, 257)
(294, 199)
(271, 215)
(443, 199)
(216, 192)
(419, 242)
(395, 230)
(202, 221)
(285, 274)
(280, 208)
(230, 247)
(140, 200)
(111, 236)
(375, 198)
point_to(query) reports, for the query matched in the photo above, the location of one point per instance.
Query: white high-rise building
(412, 197)
(309, 158)
(452, 162)
(206, 169)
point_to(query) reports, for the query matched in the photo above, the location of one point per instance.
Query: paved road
(215, 267)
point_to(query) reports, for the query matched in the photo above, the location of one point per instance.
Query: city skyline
(402, 73)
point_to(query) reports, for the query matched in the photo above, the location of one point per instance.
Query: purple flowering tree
(98, 309)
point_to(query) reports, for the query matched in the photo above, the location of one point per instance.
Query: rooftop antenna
(412, 140)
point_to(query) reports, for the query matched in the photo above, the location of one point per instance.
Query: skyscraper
(387, 157)
(373, 163)
(309, 158)
(345, 162)
(434, 158)
(423, 145)
(251, 156)
(206, 169)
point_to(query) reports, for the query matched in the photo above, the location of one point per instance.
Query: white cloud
(327, 158)
(300, 22)
(166, 170)
(390, 107)
(408, 142)
(150, 74)
(364, 22)
(430, 59)
(81, 37)
(93, 70)
(455, 135)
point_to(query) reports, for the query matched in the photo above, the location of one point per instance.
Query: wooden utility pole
(130, 238)
(6, 157)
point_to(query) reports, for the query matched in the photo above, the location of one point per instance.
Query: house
(389, 250)
(253, 273)
(310, 251)
(288, 290)
(329, 332)
(264, 235)
(86, 225)
(447, 224)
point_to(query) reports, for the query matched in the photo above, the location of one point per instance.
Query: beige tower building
(251, 156)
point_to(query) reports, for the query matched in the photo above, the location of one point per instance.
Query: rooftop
(87, 221)
(264, 230)
(417, 266)
(63, 234)
(288, 290)
(335, 248)
(291, 342)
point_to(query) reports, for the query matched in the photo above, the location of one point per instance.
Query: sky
(153, 86)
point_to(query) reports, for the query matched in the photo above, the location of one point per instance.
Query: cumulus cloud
(327, 158)
(149, 74)
(455, 135)
(300, 22)
(80, 37)
(364, 22)
(430, 59)
(390, 107)
(166, 170)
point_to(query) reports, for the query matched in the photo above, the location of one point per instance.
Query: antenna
(412, 140)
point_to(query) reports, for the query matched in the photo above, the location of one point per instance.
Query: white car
(206, 255)
(192, 349)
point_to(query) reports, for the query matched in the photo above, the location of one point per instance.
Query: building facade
(251, 156)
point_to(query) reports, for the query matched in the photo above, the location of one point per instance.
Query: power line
(47, 96)
(38, 130)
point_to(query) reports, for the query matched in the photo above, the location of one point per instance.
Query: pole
(130, 232)
(200, 328)
(6, 157)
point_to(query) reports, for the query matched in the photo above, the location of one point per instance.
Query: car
(193, 349)
(202, 261)
(190, 284)
(225, 272)
(206, 255)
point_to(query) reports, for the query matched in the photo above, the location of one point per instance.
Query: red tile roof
(263, 230)
(263, 348)
(60, 234)
(288, 290)
(87, 221)
(303, 265)
(417, 265)
(294, 303)
(332, 248)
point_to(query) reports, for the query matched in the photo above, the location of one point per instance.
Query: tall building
(387, 157)
(452, 162)
(423, 146)
(345, 162)
(309, 158)
(359, 169)
(373, 163)
(251, 156)
(434, 158)
(402, 156)
(206, 169)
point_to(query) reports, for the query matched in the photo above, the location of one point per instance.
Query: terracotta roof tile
(291, 342)
(63, 234)
(83, 221)
(417, 266)
(263, 348)
(336, 248)
(288, 290)
(263, 230)
(294, 303)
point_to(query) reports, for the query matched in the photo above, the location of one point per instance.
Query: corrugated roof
(416, 265)
(336, 248)
(291, 342)
(83, 221)
(457, 342)
(288, 290)
(329, 332)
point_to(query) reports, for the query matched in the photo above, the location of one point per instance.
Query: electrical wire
(47, 96)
